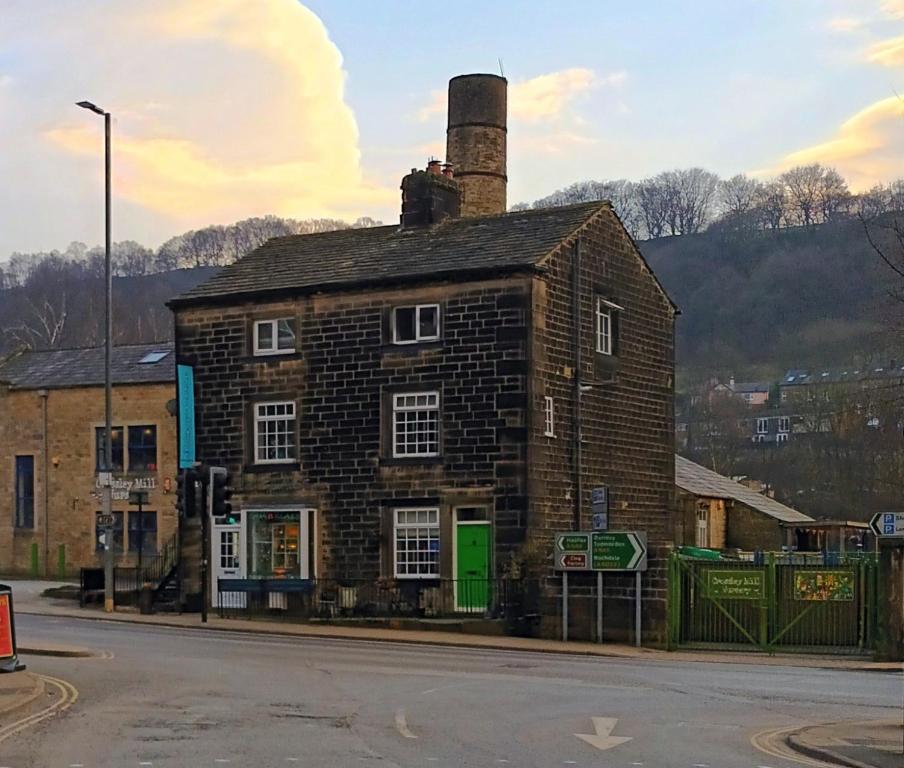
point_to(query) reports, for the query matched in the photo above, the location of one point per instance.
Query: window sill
(411, 461)
(22, 531)
(271, 357)
(412, 348)
(260, 469)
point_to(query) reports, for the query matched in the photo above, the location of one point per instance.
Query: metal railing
(514, 600)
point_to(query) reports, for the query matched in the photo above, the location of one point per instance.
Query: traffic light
(221, 493)
(185, 493)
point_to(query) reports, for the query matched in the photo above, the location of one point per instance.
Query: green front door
(472, 588)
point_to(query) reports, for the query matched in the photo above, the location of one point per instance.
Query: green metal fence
(775, 602)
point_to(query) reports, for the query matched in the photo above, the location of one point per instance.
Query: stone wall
(340, 378)
(72, 498)
(628, 419)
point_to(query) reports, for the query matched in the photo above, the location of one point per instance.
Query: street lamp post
(107, 476)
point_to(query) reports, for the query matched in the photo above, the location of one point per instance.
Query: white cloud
(888, 53)
(222, 109)
(542, 98)
(866, 149)
(894, 8)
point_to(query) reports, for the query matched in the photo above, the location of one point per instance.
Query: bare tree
(772, 204)
(738, 195)
(655, 206)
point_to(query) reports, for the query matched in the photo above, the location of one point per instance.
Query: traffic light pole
(218, 495)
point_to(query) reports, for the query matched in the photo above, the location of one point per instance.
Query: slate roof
(751, 387)
(856, 373)
(356, 257)
(62, 368)
(701, 481)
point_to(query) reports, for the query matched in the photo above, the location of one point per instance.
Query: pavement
(871, 744)
(18, 690)
(28, 602)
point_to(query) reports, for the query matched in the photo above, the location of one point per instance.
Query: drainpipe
(42, 393)
(576, 396)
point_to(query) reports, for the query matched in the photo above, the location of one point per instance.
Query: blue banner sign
(185, 381)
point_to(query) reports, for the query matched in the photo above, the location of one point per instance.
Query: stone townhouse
(403, 402)
(51, 438)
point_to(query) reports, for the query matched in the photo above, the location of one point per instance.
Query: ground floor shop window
(117, 533)
(417, 543)
(279, 543)
(143, 532)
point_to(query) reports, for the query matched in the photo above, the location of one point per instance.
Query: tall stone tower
(475, 141)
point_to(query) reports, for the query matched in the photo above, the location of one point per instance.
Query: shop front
(264, 544)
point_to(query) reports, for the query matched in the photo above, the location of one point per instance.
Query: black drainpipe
(576, 314)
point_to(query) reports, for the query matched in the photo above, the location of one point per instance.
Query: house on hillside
(716, 512)
(427, 404)
(51, 449)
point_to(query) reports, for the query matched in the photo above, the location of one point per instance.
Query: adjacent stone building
(401, 403)
(51, 424)
(715, 512)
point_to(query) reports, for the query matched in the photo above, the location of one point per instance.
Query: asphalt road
(172, 697)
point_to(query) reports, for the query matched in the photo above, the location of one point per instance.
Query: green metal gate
(783, 602)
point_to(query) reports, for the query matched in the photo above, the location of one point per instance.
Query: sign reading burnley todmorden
(611, 551)
(601, 551)
(747, 584)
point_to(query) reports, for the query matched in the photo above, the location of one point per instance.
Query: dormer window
(412, 325)
(274, 337)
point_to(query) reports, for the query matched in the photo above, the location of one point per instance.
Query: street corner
(863, 744)
(28, 698)
(59, 650)
(18, 690)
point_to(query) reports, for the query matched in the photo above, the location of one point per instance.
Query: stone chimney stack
(475, 142)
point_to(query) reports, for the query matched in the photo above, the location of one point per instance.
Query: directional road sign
(888, 524)
(625, 551)
(601, 551)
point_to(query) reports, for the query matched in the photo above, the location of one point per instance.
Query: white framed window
(606, 326)
(784, 424)
(550, 417)
(415, 424)
(416, 543)
(411, 325)
(702, 535)
(274, 433)
(781, 437)
(274, 337)
(762, 426)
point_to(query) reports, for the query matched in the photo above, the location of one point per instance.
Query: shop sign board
(601, 551)
(746, 584)
(834, 586)
(888, 524)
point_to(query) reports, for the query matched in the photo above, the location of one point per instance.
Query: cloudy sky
(225, 109)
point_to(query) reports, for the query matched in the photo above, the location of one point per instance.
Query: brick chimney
(476, 141)
(429, 197)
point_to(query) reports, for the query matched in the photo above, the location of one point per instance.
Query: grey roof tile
(701, 481)
(61, 368)
(360, 256)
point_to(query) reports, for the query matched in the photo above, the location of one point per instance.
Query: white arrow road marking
(603, 738)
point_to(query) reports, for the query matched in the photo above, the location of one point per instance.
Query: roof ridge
(95, 346)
